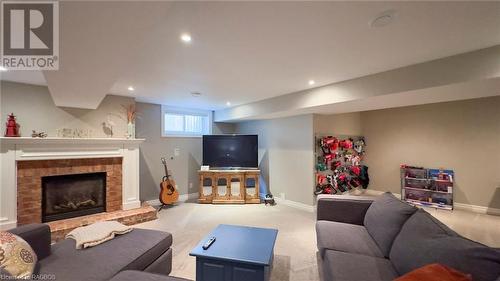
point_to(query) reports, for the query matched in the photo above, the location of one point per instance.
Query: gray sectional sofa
(141, 250)
(367, 239)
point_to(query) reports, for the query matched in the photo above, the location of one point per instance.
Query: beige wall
(286, 156)
(338, 124)
(463, 136)
(35, 110)
(184, 167)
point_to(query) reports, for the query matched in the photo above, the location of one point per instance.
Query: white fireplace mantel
(28, 140)
(13, 150)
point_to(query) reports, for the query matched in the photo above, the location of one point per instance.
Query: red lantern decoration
(12, 127)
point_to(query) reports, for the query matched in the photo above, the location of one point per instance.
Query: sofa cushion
(132, 275)
(424, 240)
(384, 220)
(134, 250)
(345, 237)
(340, 266)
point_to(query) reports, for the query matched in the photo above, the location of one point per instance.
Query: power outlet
(177, 152)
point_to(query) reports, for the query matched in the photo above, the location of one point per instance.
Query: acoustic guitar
(168, 193)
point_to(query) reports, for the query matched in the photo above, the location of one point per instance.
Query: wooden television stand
(226, 193)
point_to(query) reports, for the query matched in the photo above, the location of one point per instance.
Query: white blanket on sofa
(97, 233)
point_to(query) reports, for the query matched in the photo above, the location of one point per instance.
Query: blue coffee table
(240, 253)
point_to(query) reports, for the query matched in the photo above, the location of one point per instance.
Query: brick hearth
(29, 182)
(60, 228)
(29, 193)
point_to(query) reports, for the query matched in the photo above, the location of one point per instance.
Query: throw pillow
(384, 219)
(425, 240)
(17, 258)
(435, 272)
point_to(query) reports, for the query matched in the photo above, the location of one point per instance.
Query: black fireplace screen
(70, 196)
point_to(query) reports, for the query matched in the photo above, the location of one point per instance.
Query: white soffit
(416, 84)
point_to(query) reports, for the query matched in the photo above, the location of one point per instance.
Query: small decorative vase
(131, 130)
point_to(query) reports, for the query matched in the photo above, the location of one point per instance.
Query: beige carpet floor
(295, 250)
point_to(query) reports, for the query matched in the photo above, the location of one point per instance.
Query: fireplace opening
(69, 196)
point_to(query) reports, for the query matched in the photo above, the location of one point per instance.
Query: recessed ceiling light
(131, 89)
(383, 19)
(196, 94)
(228, 103)
(3, 68)
(186, 38)
(311, 82)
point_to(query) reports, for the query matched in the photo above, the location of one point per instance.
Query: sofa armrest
(37, 235)
(343, 208)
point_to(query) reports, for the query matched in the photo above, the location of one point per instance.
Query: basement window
(179, 122)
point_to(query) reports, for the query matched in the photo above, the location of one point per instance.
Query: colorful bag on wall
(363, 177)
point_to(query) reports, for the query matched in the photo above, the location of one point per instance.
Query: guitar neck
(166, 169)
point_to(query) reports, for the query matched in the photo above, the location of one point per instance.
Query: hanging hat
(336, 164)
(355, 170)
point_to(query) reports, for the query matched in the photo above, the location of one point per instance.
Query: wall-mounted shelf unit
(427, 187)
(339, 164)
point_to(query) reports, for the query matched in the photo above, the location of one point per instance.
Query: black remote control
(208, 243)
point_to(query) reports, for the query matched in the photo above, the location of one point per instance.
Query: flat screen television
(230, 151)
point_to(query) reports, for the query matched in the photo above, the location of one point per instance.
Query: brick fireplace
(27, 165)
(31, 173)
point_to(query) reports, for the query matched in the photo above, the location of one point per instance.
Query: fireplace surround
(69, 196)
(31, 176)
(24, 161)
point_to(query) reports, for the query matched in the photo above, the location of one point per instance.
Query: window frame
(185, 111)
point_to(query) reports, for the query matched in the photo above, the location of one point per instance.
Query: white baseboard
(6, 225)
(189, 196)
(182, 198)
(457, 206)
(309, 208)
(378, 192)
(131, 205)
(477, 209)
(293, 204)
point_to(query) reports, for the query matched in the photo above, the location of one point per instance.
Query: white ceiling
(247, 51)
(29, 77)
